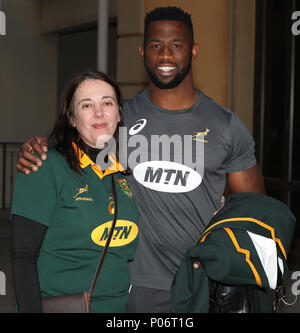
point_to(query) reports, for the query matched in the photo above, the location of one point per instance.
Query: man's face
(168, 52)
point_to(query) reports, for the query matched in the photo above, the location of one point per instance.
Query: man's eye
(177, 46)
(155, 46)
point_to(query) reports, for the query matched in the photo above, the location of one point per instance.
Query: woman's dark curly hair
(63, 133)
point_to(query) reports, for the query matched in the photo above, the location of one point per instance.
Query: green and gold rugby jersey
(78, 211)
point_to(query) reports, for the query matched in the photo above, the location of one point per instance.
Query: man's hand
(27, 161)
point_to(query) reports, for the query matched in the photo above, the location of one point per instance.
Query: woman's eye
(108, 103)
(86, 106)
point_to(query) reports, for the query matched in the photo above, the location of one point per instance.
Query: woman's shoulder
(54, 158)
(54, 154)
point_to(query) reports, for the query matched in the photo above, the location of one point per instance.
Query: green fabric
(190, 294)
(222, 261)
(77, 209)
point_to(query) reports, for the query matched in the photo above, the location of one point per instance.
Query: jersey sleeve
(241, 151)
(27, 237)
(35, 195)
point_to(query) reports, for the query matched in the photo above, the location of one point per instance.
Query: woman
(62, 214)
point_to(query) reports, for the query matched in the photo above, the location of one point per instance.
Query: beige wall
(27, 73)
(242, 60)
(131, 75)
(62, 14)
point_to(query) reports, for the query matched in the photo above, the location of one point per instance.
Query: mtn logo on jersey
(125, 232)
(167, 177)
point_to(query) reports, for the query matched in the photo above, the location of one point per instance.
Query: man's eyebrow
(159, 40)
(153, 40)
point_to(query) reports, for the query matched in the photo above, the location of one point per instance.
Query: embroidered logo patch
(82, 190)
(199, 136)
(124, 187)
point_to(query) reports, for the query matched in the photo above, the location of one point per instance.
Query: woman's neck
(93, 153)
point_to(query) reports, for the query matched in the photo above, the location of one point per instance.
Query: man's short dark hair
(169, 13)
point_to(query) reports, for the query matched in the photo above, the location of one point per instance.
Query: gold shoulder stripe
(247, 255)
(250, 219)
(204, 237)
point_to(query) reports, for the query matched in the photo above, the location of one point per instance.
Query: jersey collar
(85, 161)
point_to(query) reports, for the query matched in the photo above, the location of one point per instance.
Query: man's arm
(27, 161)
(250, 180)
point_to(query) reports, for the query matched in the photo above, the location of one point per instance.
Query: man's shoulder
(214, 110)
(136, 98)
(214, 105)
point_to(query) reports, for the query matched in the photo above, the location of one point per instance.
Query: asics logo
(140, 124)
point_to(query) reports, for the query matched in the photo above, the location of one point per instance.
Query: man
(176, 200)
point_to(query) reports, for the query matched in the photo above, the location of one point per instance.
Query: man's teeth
(166, 68)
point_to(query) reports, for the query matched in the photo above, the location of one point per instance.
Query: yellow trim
(249, 219)
(204, 237)
(247, 254)
(85, 161)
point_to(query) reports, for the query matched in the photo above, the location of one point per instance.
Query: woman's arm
(27, 238)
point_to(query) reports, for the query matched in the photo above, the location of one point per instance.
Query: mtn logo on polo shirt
(125, 232)
(167, 176)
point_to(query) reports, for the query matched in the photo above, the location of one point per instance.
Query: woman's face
(96, 112)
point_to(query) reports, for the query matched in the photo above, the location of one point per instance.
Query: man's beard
(179, 77)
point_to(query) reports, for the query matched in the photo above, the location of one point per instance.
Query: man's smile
(166, 70)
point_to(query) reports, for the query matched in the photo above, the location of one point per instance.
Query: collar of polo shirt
(85, 161)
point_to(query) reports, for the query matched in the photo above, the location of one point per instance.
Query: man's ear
(195, 51)
(141, 51)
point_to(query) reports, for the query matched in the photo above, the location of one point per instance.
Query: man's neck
(180, 98)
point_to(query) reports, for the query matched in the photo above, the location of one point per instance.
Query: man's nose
(165, 53)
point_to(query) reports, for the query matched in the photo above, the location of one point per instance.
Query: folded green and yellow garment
(246, 243)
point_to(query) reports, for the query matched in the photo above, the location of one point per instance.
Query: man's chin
(166, 85)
